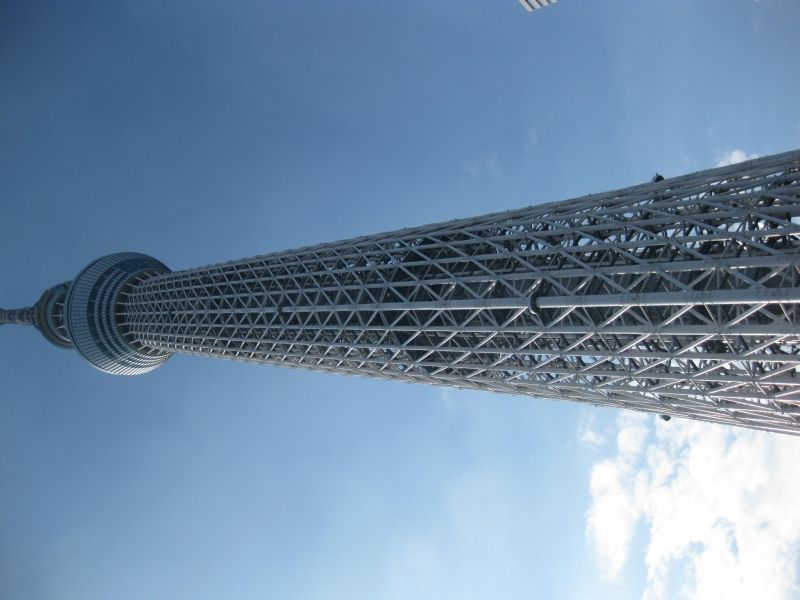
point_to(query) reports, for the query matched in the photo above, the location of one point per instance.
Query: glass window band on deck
(91, 314)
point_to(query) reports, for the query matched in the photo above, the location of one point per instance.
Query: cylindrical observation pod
(92, 320)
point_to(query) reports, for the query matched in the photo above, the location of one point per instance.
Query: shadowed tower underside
(678, 297)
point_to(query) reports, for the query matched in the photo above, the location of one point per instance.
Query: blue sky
(197, 133)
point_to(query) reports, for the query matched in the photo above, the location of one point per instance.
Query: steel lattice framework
(531, 5)
(678, 297)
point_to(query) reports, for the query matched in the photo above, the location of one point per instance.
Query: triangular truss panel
(678, 297)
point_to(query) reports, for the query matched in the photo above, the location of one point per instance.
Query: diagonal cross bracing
(678, 297)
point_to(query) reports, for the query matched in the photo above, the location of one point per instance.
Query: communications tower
(678, 297)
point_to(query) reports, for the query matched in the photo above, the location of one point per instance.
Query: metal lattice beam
(677, 297)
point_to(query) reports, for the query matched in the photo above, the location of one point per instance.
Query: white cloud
(723, 502)
(733, 157)
(611, 521)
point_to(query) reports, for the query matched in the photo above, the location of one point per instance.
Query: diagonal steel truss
(678, 297)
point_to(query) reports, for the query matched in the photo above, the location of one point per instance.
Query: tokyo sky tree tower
(678, 297)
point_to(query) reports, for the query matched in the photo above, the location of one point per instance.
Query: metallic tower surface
(678, 297)
(531, 5)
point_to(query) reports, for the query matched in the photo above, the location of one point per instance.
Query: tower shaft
(20, 316)
(678, 297)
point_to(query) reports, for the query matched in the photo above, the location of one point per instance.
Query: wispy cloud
(722, 501)
(588, 436)
(734, 156)
(487, 165)
(468, 553)
(448, 396)
(532, 141)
